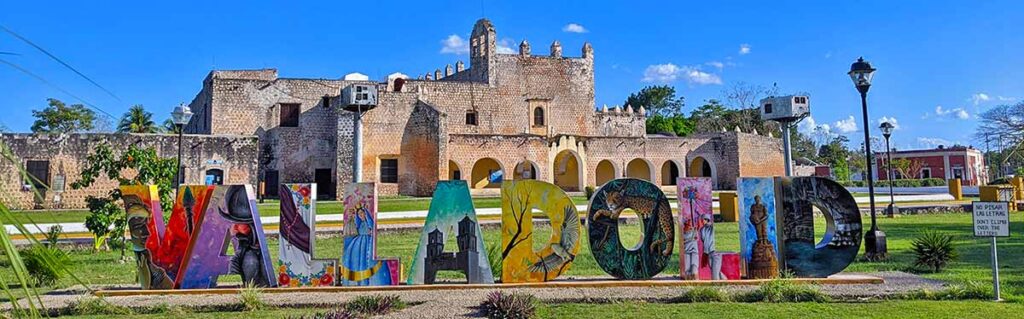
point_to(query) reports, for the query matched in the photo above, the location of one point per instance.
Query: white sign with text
(991, 219)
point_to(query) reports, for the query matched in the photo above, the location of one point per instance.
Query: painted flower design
(283, 280)
(304, 191)
(327, 280)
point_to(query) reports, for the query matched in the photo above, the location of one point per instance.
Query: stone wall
(234, 155)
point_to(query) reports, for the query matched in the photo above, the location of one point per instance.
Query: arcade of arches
(487, 173)
(567, 171)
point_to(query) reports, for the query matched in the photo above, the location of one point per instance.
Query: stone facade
(59, 160)
(521, 115)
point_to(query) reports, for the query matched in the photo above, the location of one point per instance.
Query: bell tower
(482, 48)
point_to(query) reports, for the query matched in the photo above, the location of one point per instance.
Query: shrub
(374, 305)
(969, 291)
(589, 191)
(934, 250)
(45, 264)
(97, 307)
(783, 291)
(251, 298)
(509, 306)
(333, 314)
(53, 235)
(705, 294)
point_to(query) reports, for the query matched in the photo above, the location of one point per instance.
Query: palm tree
(169, 127)
(137, 120)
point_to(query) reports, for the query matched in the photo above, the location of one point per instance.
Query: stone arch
(641, 169)
(606, 171)
(454, 172)
(670, 171)
(703, 167)
(487, 173)
(568, 171)
(525, 170)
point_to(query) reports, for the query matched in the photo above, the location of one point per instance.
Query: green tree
(677, 125)
(134, 166)
(657, 100)
(60, 118)
(713, 116)
(169, 127)
(802, 145)
(835, 153)
(137, 120)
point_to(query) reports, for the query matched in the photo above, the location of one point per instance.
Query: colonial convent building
(502, 117)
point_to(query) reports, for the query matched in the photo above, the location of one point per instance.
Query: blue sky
(939, 62)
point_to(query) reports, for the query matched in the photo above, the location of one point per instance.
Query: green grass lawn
(107, 268)
(887, 309)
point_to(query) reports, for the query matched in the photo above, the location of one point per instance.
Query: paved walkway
(72, 228)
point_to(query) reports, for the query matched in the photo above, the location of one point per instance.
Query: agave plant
(934, 250)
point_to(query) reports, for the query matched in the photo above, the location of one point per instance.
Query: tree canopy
(657, 100)
(137, 120)
(60, 118)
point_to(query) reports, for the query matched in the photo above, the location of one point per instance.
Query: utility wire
(41, 79)
(9, 53)
(55, 58)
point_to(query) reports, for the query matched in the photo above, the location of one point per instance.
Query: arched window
(538, 116)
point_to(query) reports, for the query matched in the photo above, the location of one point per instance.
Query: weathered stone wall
(759, 155)
(233, 154)
(423, 125)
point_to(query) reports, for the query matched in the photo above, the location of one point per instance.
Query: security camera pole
(358, 99)
(788, 111)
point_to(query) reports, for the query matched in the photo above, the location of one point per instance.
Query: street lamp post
(861, 73)
(180, 116)
(887, 132)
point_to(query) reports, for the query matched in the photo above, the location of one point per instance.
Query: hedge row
(898, 183)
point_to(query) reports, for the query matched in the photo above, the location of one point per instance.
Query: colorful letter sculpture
(758, 242)
(651, 205)
(146, 225)
(359, 263)
(519, 261)
(295, 264)
(698, 257)
(842, 237)
(231, 217)
(451, 213)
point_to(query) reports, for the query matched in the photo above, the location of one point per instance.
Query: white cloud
(574, 28)
(505, 47)
(1005, 98)
(849, 125)
(828, 54)
(933, 142)
(810, 126)
(716, 64)
(744, 49)
(891, 120)
(977, 98)
(959, 113)
(668, 72)
(454, 44)
(695, 76)
(663, 73)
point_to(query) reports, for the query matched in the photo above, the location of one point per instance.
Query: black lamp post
(887, 131)
(180, 116)
(861, 73)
